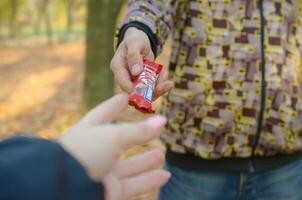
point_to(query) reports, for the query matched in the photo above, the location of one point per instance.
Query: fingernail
(157, 122)
(135, 69)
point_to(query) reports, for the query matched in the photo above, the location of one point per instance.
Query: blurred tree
(45, 8)
(44, 13)
(38, 15)
(5, 17)
(70, 13)
(48, 20)
(101, 23)
(13, 18)
(27, 18)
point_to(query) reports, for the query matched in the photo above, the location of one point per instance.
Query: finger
(135, 58)
(125, 135)
(139, 164)
(142, 132)
(107, 111)
(163, 85)
(150, 55)
(162, 89)
(145, 183)
(119, 67)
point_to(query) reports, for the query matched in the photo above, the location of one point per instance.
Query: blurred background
(54, 64)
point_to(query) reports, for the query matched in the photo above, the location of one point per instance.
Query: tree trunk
(37, 25)
(13, 19)
(69, 24)
(45, 12)
(48, 27)
(101, 23)
(37, 15)
(1, 34)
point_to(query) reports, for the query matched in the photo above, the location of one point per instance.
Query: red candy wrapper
(141, 97)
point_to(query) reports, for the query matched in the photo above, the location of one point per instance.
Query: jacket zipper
(263, 79)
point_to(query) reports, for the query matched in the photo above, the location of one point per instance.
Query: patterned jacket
(237, 70)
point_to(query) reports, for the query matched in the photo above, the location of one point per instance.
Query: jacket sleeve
(40, 169)
(155, 17)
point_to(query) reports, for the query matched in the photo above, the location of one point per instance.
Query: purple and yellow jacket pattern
(237, 70)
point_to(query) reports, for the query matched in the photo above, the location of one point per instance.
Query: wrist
(141, 27)
(71, 148)
(130, 30)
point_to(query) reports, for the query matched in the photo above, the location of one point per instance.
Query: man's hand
(97, 144)
(127, 62)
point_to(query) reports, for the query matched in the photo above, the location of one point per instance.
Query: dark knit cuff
(145, 29)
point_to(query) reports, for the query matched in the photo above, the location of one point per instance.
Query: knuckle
(123, 86)
(117, 81)
(132, 54)
(114, 64)
(131, 39)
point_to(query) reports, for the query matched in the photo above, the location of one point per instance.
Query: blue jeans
(284, 183)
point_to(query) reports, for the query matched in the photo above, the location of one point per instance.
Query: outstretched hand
(97, 144)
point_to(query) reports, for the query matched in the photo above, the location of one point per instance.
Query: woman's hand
(97, 144)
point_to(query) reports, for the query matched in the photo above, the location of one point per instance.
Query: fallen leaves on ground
(40, 89)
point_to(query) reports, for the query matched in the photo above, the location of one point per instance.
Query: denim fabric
(284, 183)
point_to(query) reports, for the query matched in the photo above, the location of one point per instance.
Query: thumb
(135, 60)
(107, 111)
(138, 46)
